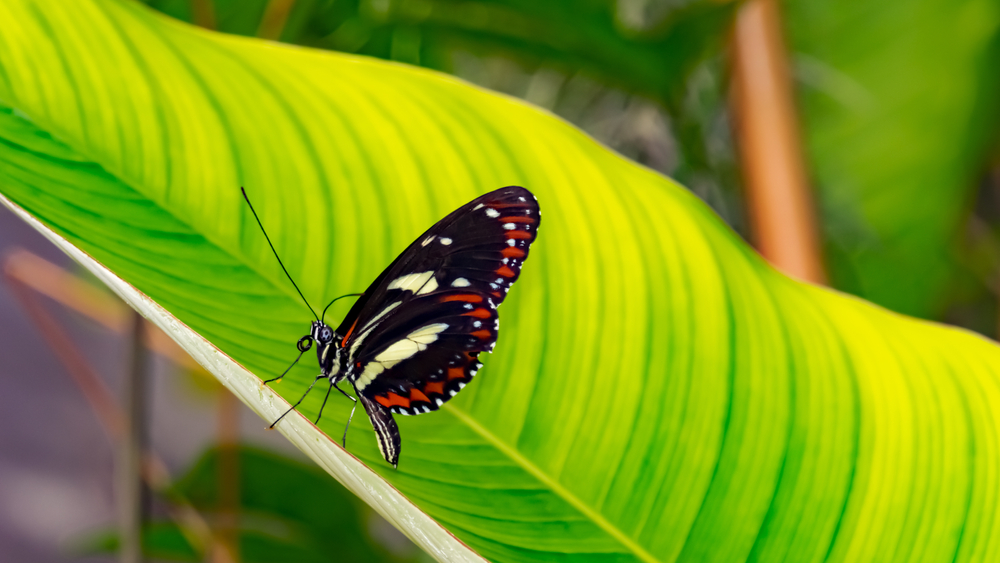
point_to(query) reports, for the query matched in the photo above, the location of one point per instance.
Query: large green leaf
(659, 393)
(899, 101)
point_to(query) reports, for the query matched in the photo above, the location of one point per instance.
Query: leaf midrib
(553, 485)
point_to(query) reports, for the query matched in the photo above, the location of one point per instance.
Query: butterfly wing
(413, 341)
(386, 430)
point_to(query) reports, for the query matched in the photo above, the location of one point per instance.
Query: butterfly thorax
(327, 349)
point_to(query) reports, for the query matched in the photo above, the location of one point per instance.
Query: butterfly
(413, 339)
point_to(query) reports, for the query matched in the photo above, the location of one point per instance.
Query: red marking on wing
(495, 293)
(483, 334)
(393, 400)
(468, 298)
(518, 219)
(416, 395)
(518, 234)
(456, 373)
(505, 271)
(478, 313)
(511, 252)
(434, 387)
(349, 333)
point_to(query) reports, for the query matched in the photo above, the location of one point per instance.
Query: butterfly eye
(304, 343)
(325, 335)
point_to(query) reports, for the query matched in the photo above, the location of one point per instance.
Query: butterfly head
(327, 346)
(321, 333)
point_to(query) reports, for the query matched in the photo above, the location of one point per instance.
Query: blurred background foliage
(289, 511)
(898, 102)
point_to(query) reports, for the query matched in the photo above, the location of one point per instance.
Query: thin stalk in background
(272, 23)
(132, 496)
(226, 547)
(782, 220)
(203, 13)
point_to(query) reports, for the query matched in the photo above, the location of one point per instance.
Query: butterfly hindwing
(386, 431)
(413, 340)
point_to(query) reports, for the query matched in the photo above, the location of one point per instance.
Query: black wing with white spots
(413, 341)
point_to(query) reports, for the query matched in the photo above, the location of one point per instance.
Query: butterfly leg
(323, 406)
(311, 385)
(278, 379)
(343, 440)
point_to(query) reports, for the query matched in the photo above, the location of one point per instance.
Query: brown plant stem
(203, 13)
(272, 23)
(779, 205)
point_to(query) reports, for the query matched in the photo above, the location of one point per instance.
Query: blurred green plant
(289, 511)
(901, 118)
(659, 393)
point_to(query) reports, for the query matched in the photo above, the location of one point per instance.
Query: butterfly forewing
(413, 341)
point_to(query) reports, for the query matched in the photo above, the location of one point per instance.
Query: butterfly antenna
(323, 316)
(276, 253)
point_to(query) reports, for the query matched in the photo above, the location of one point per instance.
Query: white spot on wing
(427, 334)
(414, 342)
(480, 206)
(428, 287)
(460, 282)
(492, 213)
(438, 401)
(399, 351)
(357, 343)
(383, 313)
(509, 226)
(411, 282)
(445, 241)
(371, 370)
(427, 240)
